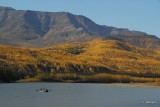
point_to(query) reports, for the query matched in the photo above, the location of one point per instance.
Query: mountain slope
(78, 60)
(43, 29)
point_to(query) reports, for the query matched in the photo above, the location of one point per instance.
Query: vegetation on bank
(96, 61)
(93, 78)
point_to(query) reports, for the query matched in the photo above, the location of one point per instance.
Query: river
(78, 95)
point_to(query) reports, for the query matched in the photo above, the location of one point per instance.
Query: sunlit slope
(97, 56)
(123, 58)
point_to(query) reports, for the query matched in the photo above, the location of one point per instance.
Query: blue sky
(141, 15)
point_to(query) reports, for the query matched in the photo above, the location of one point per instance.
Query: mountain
(97, 61)
(37, 29)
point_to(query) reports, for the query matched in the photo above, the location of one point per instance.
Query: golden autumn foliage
(97, 60)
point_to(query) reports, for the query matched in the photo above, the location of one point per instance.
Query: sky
(139, 15)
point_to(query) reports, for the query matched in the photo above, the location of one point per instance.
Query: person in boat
(43, 89)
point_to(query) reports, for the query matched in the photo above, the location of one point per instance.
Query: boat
(43, 90)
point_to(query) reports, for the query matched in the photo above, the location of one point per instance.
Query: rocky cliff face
(42, 29)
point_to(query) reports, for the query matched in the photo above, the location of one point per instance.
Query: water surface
(77, 95)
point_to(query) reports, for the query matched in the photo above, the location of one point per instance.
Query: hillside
(98, 60)
(26, 28)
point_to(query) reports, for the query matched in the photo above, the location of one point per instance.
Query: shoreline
(139, 85)
(149, 84)
(131, 84)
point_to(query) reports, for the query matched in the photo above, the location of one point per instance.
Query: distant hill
(37, 29)
(98, 60)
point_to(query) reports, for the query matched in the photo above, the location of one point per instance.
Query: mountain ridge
(38, 29)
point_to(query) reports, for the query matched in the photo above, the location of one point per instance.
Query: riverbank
(144, 85)
(2, 82)
(39, 80)
(131, 84)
